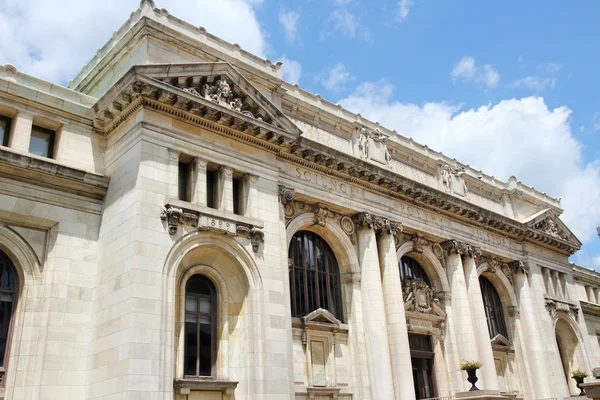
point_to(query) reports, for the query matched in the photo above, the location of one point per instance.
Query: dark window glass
(200, 327)
(8, 298)
(411, 269)
(4, 130)
(211, 187)
(184, 181)
(237, 195)
(42, 142)
(314, 276)
(493, 308)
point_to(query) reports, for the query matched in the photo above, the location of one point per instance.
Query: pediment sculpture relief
(549, 227)
(420, 294)
(453, 180)
(372, 145)
(220, 91)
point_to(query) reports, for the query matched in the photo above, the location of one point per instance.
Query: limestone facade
(174, 155)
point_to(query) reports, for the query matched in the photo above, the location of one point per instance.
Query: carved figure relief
(453, 180)
(549, 227)
(372, 145)
(421, 295)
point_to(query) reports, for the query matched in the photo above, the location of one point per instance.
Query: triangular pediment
(500, 340)
(216, 92)
(548, 224)
(321, 316)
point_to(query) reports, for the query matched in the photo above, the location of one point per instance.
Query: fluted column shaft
(461, 310)
(488, 374)
(377, 343)
(396, 318)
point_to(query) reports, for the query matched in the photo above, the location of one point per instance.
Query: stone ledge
(185, 385)
(49, 173)
(480, 395)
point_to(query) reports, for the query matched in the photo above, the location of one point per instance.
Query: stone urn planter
(579, 376)
(471, 367)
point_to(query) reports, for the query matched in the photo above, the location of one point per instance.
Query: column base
(480, 395)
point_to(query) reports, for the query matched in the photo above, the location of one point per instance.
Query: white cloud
(403, 9)
(56, 44)
(289, 20)
(337, 77)
(467, 70)
(537, 83)
(345, 22)
(596, 122)
(464, 69)
(291, 70)
(520, 137)
(550, 67)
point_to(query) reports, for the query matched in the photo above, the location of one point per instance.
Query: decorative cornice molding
(137, 90)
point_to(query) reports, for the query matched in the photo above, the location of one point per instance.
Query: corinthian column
(378, 350)
(461, 310)
(395, 316)
(489, 378)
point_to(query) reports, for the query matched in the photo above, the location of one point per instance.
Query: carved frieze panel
(371, 144)
(175, 216)
(453, 180)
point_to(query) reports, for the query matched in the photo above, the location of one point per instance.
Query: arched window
(411, 269)
(8, 301)
(314, 276)
(494, 312)
(200, 327)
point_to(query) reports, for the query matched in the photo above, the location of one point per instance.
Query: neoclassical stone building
(181, 223)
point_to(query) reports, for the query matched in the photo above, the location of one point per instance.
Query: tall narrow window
(200, 327)
(238, 195)
(4, 130)
(314, 276)
(411, 269)
(494, 311)
(212, 179)
(183, 184)
(8, 300)
(42, 142)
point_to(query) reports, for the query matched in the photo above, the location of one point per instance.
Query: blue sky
(508, 87)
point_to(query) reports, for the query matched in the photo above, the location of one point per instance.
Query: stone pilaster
(20, 134)
(396, 317)
(377, 343)
(249, 201)
(464, 333)
(489, 379)
(198, 182)
(359, 348)
(225, 189)
(173, 168)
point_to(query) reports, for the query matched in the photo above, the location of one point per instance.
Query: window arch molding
(430, 264)
(334, 236)
(26, 262)
(238, 283)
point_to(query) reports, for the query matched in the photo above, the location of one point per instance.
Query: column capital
(286, 194)
(227, 170)
(200, 163)
(251, 177)
(519, 266)
(461, 248)
(377, 223)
